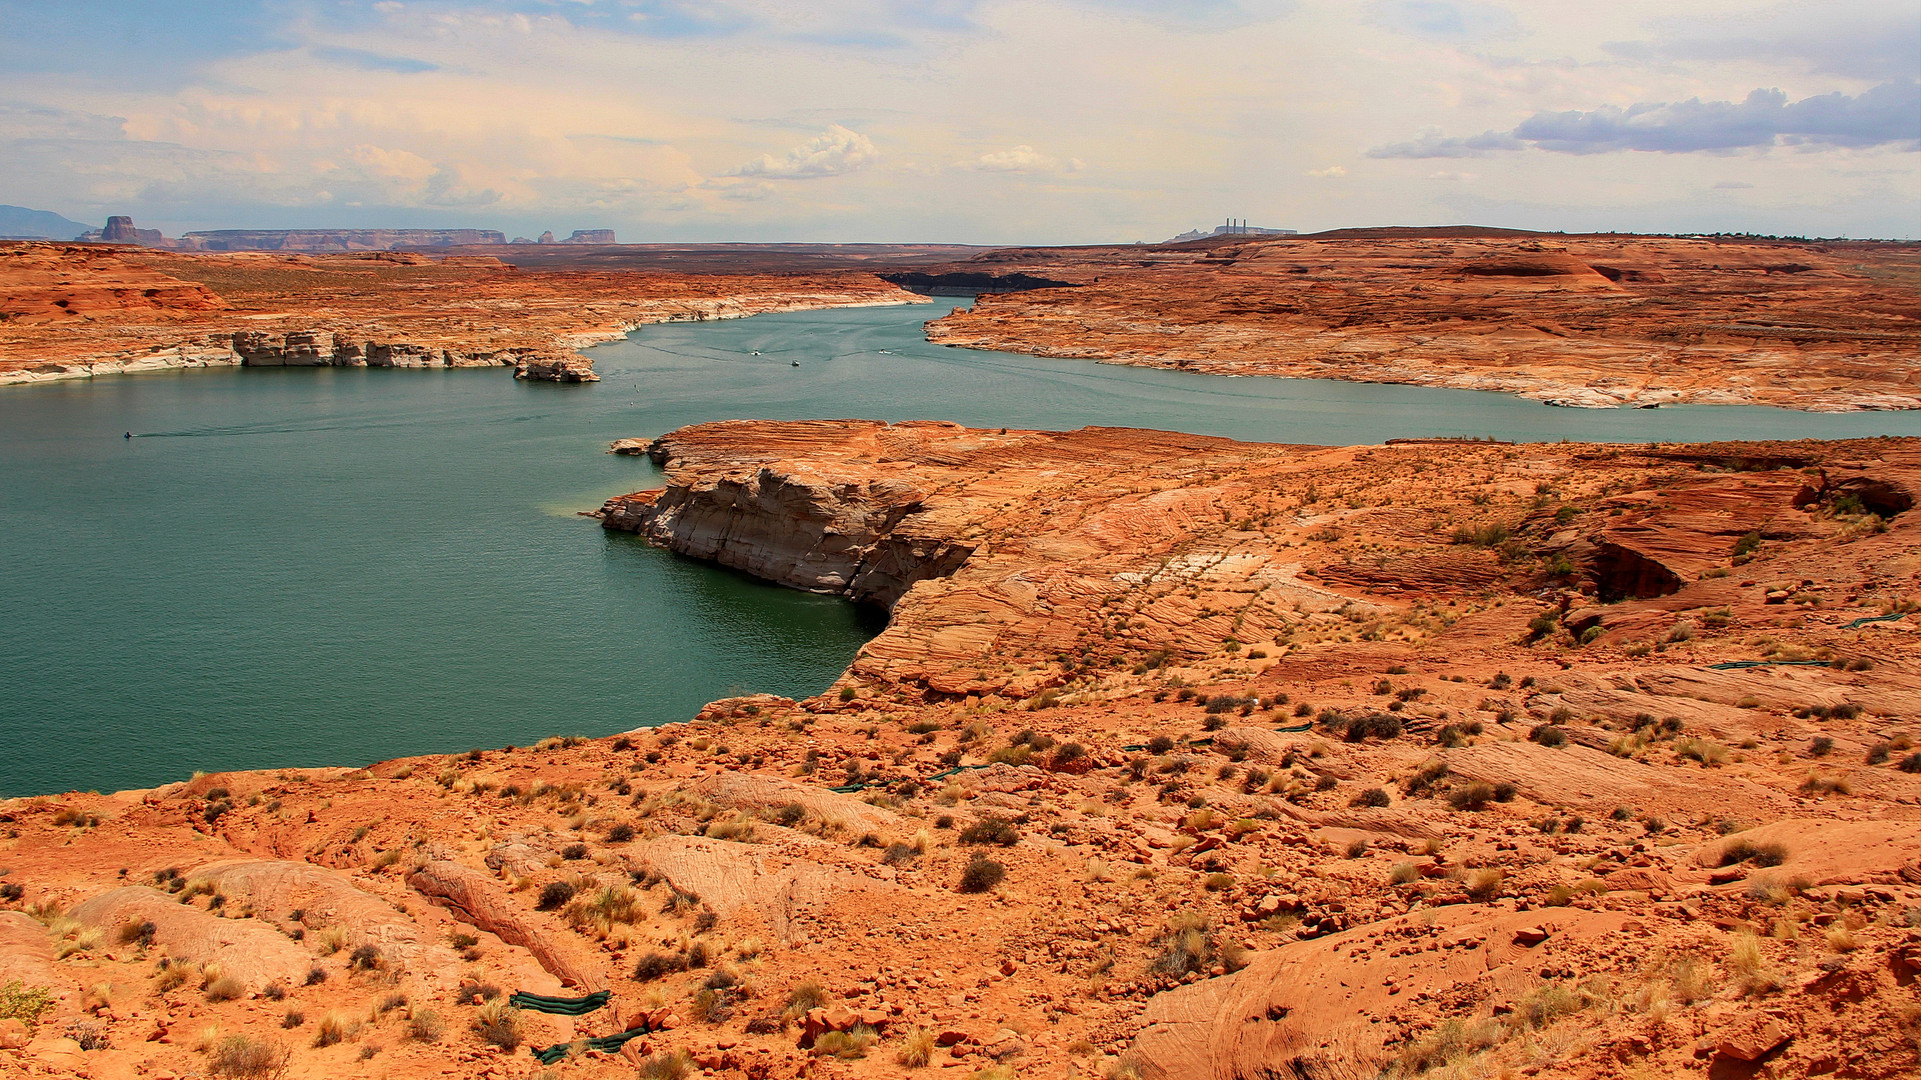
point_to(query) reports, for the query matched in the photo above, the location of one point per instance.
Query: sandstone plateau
(74, 311)
(1591, 321)
(1179, 758)
(1597, 321)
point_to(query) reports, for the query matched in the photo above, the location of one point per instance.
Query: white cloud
(833, 152)
(955, 119)
(1025, 159)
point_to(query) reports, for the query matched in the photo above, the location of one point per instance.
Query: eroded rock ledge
(76, 311)
(1581, 321)
(1294, 761)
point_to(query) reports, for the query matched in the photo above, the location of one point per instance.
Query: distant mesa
(580, 236)
(334, 240)
(1231, 227)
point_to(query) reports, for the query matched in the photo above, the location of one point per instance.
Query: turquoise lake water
(336, 566)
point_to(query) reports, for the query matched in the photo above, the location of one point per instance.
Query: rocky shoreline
(75, 312)
(1575, 321)
(1178, 757)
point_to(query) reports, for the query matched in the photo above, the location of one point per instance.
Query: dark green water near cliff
(336, 566)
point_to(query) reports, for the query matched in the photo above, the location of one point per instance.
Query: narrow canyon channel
(291, 567)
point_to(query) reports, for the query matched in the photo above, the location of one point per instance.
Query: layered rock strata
(1590, 321)
(75, 311)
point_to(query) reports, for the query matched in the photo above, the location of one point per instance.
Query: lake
(324, 566)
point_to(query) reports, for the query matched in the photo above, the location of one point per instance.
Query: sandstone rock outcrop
(477, 900)
(74, 311)
(1206, 759)
(1593, 321)
(249, 951)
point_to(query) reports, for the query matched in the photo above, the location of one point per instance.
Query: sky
(965, 121)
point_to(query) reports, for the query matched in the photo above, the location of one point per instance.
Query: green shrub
(19, 1001)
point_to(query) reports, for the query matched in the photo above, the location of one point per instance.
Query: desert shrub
(1822, 746)
(916, 1049)
(138, 934)
(1483, 884)
(981, 874)
(225, 988)
(1159, 744)
(1705, 751)
(498, 1024)
(711, 1006)
(331, 1029)
(790, 814)
(1879, 753)
(425, 1025)
(1746, 851)
(991, 830)
(1356, 849)
(804, 998)
(293, 1019)
(1372, 797)
(666, 1065)
(845, 1045)
(553, 895)
(620, 834)
(245, 1058)
(1217, 882)
(1548, 735)
(24, 1003)
(315, 976)
(1447, 1043)
(1403, 873)
(1375, 725)
(1183, 947)
(1474, 796)
(364, 958)
(1424, 778)
(654, 965)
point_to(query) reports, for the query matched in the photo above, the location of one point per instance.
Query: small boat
(796, 363)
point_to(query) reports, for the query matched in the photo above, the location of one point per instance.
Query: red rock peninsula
(1598, 321)
(74, 311)
(1178, 758)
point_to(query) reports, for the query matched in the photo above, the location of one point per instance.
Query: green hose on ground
(560, 1006)
(606, 1044)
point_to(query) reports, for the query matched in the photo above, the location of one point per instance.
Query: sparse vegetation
(981, 874)
(244, 1058)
